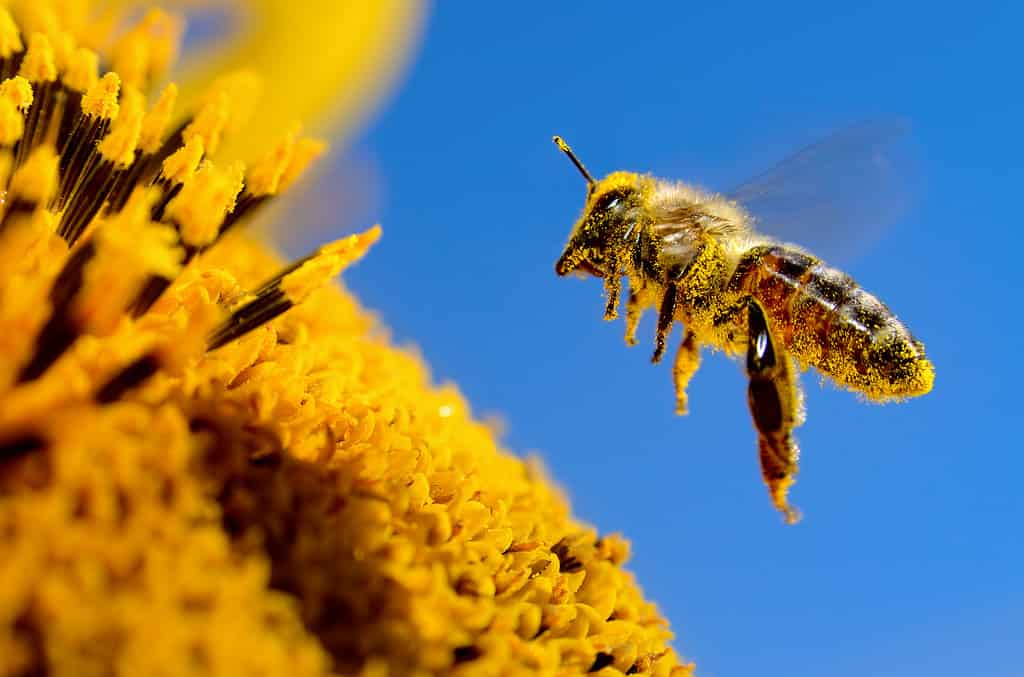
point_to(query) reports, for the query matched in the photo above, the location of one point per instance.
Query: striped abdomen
(827, 321)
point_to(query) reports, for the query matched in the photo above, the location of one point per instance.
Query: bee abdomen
(827, 321)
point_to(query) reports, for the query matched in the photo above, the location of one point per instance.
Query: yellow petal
(325, 62)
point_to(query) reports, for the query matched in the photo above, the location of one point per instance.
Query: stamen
(81, 76)
(306, 151)
(131, 376)
(94, 29)
(130, 58)
(18, 91)
(209, 124)
(178, 169)
(104, 170)
(180, 166)
(37, 17)
(87, 198)
(142, 170)
(63, 50)
(203, 202)
(264, 177)
(101, 277)
(32, 185)
(329, 260)
(58, 333)
(39, 64)
(10, 44)
(165, 31)
(12, 126)
(263, 180)
(302, 153)
(100, 99)
(83, 71)
(154, 124)
(144, 53)
(15, 98)
(118, 147)
(243, 89)
(132, 101)
(107, 145)
(218, 113)
(40, 69)
(99, 108)
(196, 204)
(292, 286)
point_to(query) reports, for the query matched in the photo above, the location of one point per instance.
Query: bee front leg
(775, 406)
(612, 288)
(686, 364)
(634, 310)
(666, 314)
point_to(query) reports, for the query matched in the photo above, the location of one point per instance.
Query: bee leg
(666, 314)
(686, 364)
(612, 287)
(727, 321)
(775, 406)
(633, 312)
(729, 313)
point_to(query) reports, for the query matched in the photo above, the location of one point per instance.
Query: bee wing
(837, 196)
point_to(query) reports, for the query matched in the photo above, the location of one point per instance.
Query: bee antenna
(564, 147)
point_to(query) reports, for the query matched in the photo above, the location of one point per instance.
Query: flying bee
(696, 257)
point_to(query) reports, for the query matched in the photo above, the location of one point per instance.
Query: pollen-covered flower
(214, 463)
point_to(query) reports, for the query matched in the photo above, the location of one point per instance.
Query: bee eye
(609, 201)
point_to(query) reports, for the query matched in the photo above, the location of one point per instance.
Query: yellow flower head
(213, 463)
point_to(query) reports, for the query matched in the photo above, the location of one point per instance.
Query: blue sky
(909, 557)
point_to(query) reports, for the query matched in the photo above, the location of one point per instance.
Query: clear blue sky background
(910, 556)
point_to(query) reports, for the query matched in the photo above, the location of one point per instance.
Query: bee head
(605, 236)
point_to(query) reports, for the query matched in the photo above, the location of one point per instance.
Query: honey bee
(696, 257)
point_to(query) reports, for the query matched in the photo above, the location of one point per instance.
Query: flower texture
(211, 463)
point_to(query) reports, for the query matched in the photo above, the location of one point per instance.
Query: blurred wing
(837, 196)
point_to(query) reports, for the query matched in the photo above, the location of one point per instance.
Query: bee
(696, 257)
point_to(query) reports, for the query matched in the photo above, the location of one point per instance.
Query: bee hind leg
(775, 405)
(685, 366)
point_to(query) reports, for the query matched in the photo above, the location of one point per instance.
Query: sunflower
(212, 462)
